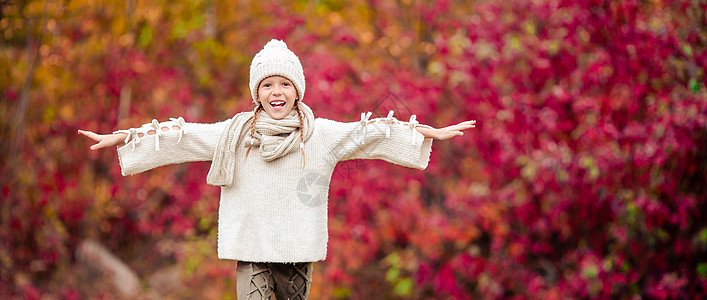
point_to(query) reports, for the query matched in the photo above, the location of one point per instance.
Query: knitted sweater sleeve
(158, 144)
(384, 138)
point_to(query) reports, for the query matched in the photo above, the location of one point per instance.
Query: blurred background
(585, 177)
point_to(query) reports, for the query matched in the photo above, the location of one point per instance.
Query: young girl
(274, 166)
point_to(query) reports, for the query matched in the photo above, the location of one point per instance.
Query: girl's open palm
(455, 130)
(448, 132)
(103, 140)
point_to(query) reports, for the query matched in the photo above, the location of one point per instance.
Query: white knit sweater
(276, 211)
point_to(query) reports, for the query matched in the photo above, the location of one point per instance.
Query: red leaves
(584, 177)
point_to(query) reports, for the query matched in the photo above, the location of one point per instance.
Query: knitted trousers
(261, 280)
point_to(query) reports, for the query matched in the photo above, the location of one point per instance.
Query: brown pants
(260, 280)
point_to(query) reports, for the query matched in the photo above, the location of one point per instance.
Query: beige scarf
(275, 139)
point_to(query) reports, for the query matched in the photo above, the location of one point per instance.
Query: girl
(274, 166)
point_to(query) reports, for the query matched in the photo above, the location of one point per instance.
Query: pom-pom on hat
(276, 59)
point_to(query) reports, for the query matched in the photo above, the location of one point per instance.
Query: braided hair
(301, 132)
(256, 112)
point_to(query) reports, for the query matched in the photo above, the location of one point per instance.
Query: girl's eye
(267, 85)
(286, 84)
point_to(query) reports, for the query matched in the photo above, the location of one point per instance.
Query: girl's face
(277, 95)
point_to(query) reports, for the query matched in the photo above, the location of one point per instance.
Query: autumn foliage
(585, 177)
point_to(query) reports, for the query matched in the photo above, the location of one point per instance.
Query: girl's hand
(447, 132)
(104, 140)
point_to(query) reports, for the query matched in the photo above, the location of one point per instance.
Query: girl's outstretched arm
(139, 148)
(446, 132)
(104, 140)
(114, 139)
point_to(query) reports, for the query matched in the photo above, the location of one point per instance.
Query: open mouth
(277, 103)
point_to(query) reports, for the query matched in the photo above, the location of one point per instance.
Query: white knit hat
(276, 59)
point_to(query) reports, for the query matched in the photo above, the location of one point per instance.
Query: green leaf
(702, 270)
(687, 49)
(590, 271)
(703, 236)
(403, 287)
(191, 265)
(694, 85)
(180, 30)
(204, 223)
(392, 274)
(145, 36)
(342, 292)
(393, 259)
